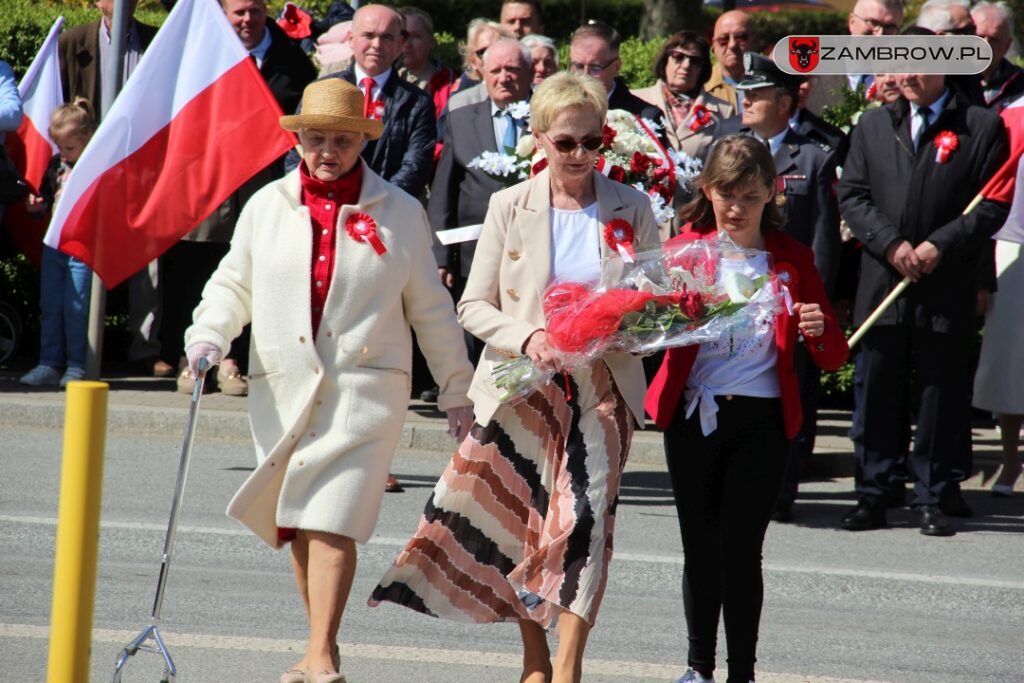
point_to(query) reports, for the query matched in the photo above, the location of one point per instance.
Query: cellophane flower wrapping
(683, 294)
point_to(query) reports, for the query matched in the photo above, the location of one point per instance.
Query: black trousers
(941, 366)
(726, 485)
(801, 447)
(186, 267)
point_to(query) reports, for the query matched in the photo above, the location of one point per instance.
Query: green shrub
(773, 26)
(837, 387)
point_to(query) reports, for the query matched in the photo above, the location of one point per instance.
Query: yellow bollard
(78, 531)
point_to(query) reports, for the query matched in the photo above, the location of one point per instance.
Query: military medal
(780, 191)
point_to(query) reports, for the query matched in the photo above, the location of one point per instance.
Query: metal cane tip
(203, 364)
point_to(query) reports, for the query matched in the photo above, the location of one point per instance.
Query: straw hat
(333, 104)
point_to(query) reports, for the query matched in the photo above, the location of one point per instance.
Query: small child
(66, 282)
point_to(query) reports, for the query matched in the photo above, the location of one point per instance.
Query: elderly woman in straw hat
(331, 265)
(519, 528)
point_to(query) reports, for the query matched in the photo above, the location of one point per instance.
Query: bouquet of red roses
(684, 294)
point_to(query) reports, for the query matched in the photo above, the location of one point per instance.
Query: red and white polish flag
(194, 122)
(1000, 187)
(30, 147)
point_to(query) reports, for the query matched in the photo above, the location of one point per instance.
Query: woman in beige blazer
(331, 264)
(519, 527)
(682, 67)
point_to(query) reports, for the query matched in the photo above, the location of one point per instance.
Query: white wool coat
(327, 413)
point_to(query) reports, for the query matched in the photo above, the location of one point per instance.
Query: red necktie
(367, 84)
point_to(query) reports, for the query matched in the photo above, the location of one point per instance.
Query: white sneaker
(692, 676)
(41, 376)
(72, 375)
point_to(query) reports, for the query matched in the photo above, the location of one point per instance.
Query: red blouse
(324, 200)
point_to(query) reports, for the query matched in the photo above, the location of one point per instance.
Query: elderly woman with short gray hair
(331, 265)
(522, 518)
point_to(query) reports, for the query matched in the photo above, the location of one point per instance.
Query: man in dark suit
(84, 53)
(905, 203)
(806, 194)
(404, 153)
(459, 195)
(594, 51)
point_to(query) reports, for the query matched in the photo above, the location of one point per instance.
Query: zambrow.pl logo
(803, 53)
(819, 55)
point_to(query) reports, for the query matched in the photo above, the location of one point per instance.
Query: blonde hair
(475, 28)
(562, 91)
(734, 160)
(76, 118)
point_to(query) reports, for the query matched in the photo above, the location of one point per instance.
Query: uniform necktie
(367, 84)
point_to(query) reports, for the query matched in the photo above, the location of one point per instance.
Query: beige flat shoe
(293, 676)
(325, 677)
(231, 383)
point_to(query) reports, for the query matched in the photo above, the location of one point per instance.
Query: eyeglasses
(723, 40)
(967, 30)
(590, 69)
(569, 145)
(681, 57)
(876, 26)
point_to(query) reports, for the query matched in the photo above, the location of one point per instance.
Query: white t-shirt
(575, 245)
(742, 362)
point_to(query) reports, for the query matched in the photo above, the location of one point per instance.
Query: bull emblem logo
(803, 53)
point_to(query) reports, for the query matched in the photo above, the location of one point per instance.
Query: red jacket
(829, 351)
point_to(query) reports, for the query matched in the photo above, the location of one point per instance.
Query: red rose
(608, 136)
(691, 257)
(563, 295)
(539, 166)
(664, 191)
(660, 174)
(618, 174)
(575, 328)
(639, 163)
(692, 304)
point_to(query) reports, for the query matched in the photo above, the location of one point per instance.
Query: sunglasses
(968, 30)
(876, 26)
(738, 37)
(568, 145)
(681, 57)
(480, 53)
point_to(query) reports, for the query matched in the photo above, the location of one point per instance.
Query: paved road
(878, 606)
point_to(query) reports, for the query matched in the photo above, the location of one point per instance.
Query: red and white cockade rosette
(700, 116)
(362, 228)
(619, 235)
(945, 143)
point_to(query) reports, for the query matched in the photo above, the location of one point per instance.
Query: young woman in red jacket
(728, 408)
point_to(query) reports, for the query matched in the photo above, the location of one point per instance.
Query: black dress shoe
(783, 513)
(933, 522)
(954, 505)
(429, 395)
(864, 518)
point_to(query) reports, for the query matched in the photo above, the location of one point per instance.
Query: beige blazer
(717, 87)
(502, 302)
(693, 143)
(327, 412)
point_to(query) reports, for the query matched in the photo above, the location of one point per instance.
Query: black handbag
(13, 187)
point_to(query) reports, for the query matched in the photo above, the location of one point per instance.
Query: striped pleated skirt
(520, 523)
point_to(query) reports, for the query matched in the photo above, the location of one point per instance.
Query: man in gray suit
(459, 195)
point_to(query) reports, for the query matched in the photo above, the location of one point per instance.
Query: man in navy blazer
(404, 153)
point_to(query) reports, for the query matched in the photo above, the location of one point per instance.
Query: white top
(742, 362)
(575, 245)
(379, 81)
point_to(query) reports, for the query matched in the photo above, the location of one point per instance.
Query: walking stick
(152, 631)
(896, 292)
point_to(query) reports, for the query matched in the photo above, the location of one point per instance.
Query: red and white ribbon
(362, 228)
(700, 117)
(619, 236)
(946, 143)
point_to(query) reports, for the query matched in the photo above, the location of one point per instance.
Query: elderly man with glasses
(868, 18)
(595, 52)
(1003, 81)
(733, 36)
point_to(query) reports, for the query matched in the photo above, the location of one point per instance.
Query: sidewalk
(151, 407)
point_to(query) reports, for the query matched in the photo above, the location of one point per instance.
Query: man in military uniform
(806, 194)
